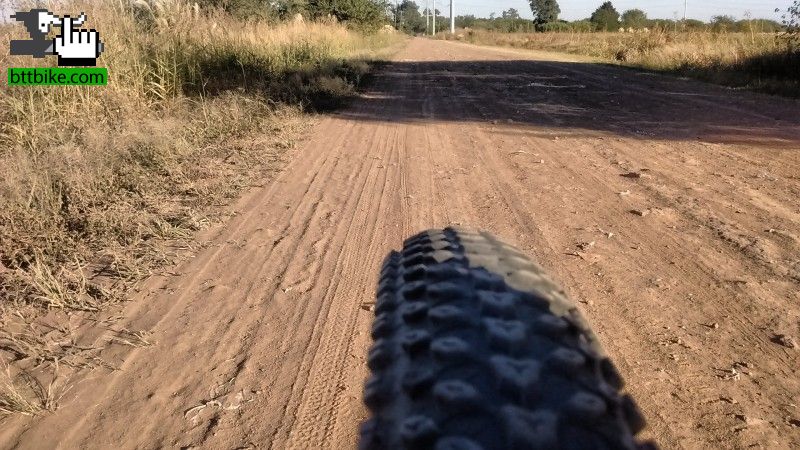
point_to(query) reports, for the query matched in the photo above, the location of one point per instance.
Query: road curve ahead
(667, 207)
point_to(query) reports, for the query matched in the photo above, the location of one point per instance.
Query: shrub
(556, 26)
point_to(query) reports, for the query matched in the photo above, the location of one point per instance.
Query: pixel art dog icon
(73, 47)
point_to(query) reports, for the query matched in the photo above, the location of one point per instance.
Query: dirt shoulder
(667, 208)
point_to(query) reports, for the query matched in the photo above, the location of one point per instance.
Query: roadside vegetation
(100, 186)
(748, 53)
(760, 62)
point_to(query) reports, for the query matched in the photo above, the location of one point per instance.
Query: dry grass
(759, 61)
(25, 397)
(33, 347)
(100, 186)
(130, 338)
(23, 393)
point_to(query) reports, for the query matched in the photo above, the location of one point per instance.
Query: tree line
(407, 16)
(607, 18)
(362, 13)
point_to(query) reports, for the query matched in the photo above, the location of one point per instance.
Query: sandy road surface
(262, 336)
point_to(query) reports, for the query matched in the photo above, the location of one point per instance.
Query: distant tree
(467, 21)
(244, 9)
(492, 16)
(511, 13)
(583, 26)
(694, 25)
(634, 18)
(722, 24)
(768, 26)
(605, 17)
(509, 22)
(545, 11)
(289, 8)
(362, 13)
(408, 18)
(758, 26)
(663, 24)
(367, 13)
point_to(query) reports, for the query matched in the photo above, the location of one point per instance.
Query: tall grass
(96, 181)
(760, 61)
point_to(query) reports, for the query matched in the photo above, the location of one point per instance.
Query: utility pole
(434, 18)
(452, 18)
(684, 11)
(427, 17)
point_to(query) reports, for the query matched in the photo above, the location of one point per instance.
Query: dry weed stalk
(24, 394)
(130, 338)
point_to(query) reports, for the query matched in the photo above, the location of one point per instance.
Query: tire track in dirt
(332, 327)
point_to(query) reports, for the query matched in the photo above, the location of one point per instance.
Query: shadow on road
(580, 97)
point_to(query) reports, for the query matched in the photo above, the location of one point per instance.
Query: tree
(722, 24)
(364, 13)
(634, 18)
(288, 8)
(545, 11)
(758, 26)
(408, 18)
(243, 9)
(467, 21)
(693, 25)
(512, 14)
(791, 18)
(605, 17)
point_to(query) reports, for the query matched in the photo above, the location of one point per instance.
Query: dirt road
(688, 267)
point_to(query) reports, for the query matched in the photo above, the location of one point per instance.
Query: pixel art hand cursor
(74, 47)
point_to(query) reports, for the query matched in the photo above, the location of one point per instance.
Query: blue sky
(579, 9)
